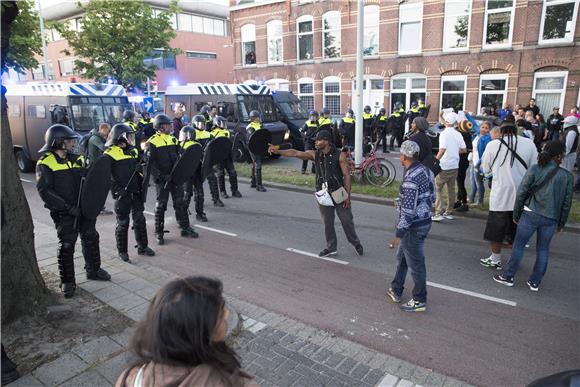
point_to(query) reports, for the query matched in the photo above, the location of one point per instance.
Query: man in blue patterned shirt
(416, 198)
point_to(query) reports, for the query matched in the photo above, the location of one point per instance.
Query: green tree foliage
(25, 41)
(116, 37)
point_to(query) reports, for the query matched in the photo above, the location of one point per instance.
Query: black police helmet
(219, 121)
(128, 115)
(55, 136)
(118, 132)
(325, 110)
(205, 109)
(367, 108)
(198, 118)
(313, 113)
(254, 114)
(349, 110)
(414, 104)
(382, 111)
(398, 105)
(161, 119)
(187, 133)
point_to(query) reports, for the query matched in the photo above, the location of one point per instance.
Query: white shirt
(475, 153)
(506, 177)
(452, 141)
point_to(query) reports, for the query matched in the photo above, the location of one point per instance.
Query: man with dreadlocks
(505, 160)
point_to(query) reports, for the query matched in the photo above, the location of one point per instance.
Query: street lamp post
(358, 137)
(44, 49)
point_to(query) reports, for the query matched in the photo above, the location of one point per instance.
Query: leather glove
(139, 167)
(74, 211)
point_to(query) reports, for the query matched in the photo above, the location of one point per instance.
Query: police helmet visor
(128, 137)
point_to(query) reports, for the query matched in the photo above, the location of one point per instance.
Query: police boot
(121, 235)
(253, 181)
(259, 186)
(140, 230)
(66, 268)
(189, 232)
(234, 184)
(222, 185)
(160, 226)
(199, 214)
(92, 254)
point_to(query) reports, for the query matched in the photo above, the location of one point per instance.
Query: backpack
(84, 144)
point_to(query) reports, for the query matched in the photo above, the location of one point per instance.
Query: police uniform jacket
(325, 124)
(368, 119)
(125, 161)
(146, 128)
(253, 126)
(163, 153)
(58, 180)
(397, 120)
(381, 121)
(309, 130)
(203, 137)
(219, 132)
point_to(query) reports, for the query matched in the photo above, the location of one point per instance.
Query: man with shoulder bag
(332, 189)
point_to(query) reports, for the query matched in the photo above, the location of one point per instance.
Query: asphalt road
(475, 329)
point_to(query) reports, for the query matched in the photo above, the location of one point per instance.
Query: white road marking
(316, 256)
(472, 294)
(26, 180)
(216, 230)
(148, 213)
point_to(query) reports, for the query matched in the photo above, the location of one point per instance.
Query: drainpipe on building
(44, 50)
(358, 137)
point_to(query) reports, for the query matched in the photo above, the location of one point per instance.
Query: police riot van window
(37, 111)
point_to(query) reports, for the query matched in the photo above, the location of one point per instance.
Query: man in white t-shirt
(505, 160)
(451, 144)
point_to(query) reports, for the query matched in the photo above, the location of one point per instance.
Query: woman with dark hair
(181, 341)
(542, 206)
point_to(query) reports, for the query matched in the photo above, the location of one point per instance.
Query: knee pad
(123, 223)
(66, 246)
(160, 206)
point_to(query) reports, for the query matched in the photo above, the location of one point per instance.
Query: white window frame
(376, 28)
(332, 30)
(409, 89)
(331, 79)
(551, 74)
(60, 66)
(246, 27)
(456, 49)
(403, 20)
(302, 19)
(446, 78)
(304, 81)
(280, 37)
(541, 39)
(484, 77)
(486, 12)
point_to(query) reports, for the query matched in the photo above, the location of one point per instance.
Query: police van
(234, 103)
(33, 107)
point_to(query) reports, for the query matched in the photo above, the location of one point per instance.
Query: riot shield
(146, 179)
(217, 150)
(96, 187)
(186, 165)
(258, 142)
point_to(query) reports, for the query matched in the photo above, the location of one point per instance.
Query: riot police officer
(381, 127)
(129, 117)
(396, 124)
(325, 123)
(220, 130)
(413, 112)
(194, 187)
(254, 125)
(346, 127)
(145, 127)
(162, 152)
(309, 131)
(127, 182)
(204, 111)
(368, 120)
(58, 180)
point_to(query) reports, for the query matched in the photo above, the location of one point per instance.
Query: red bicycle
(377, 170)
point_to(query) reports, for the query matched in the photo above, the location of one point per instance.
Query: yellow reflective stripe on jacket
(255, 125)
(396, 114)
(186, 144)
(348, 120)
(117, 153)
(382, 118)
(219, 132)
(311, 124)
(49, 159)
(202, 134)
(142, 121)
(132, 125)
(367, 116)
(324, 121)
(161, 139)
(415, 110)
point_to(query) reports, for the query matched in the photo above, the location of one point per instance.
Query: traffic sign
(148, 104)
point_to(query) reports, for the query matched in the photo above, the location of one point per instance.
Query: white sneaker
(447, 215)
(437, 218)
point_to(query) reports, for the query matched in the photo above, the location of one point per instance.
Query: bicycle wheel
(380, 174)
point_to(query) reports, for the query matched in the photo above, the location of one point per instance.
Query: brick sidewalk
(279, 351)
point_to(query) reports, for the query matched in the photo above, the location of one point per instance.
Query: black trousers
(397, 134)
(256, 170)
(461, 174)
(163, 191)
(132, 205)
(194, 188)
(229, 167)
(67, 235)
(308, 145)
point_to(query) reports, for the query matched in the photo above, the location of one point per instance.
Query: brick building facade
(454, 53)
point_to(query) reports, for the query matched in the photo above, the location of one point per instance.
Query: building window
(371, 37)
(37, 111)
(202, 25)
(172, 17)
(67, 67)
(305, 38)
(14, 110)
(456, 29)
(558, 21)
(498, 29)
(249, 44)
(332, 94)
(453, 92)
(197, 24)
(184, 22)
(408, 88)
(161, 59)
(39, 73)
(219, 27)
(275, 43)
(492, 91)
(306, 92)
(200, 55)
(549, 90)
(331, 35)
(410, 28)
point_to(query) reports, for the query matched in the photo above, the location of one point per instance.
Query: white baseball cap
(451, 118)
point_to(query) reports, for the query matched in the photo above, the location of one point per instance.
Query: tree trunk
(23, 289)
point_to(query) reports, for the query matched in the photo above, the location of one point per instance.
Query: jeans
(411, 255)
(477, 186)
(530, 223)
